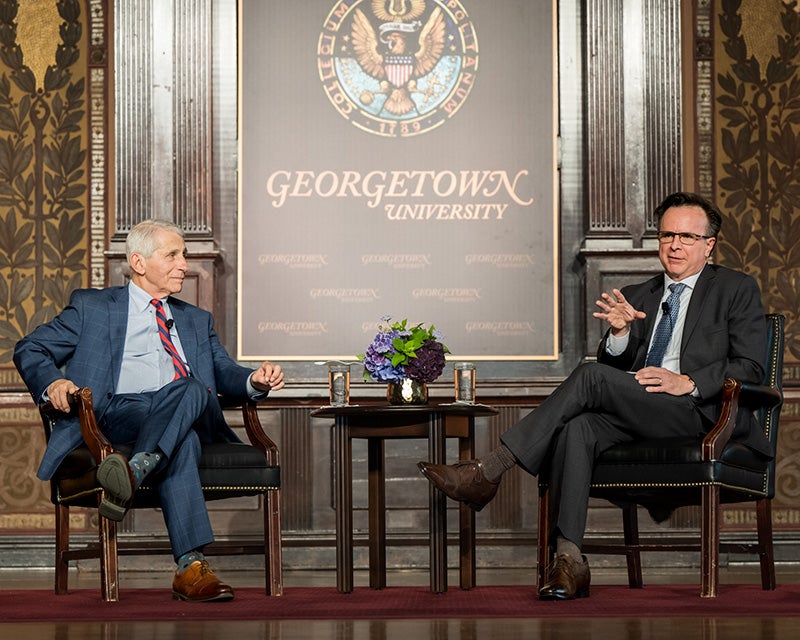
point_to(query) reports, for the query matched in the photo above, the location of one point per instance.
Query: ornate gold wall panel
(53, 113)
(757, 151)
(53, 165)
(747, 106)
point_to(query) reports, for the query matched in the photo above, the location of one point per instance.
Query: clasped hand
(268, 377)
(660, 380)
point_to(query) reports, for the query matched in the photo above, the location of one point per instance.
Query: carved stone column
(163, 95)
(633, 138)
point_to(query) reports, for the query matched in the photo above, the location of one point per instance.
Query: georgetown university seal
(397, 67)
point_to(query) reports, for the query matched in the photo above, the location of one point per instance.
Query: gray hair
(140, 239)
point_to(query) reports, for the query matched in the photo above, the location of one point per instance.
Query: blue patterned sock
(186, 560)
(142, 464)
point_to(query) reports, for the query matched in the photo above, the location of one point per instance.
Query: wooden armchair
(666, 473)
(227, 470)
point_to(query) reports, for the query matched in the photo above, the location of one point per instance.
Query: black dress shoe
(116, 477)
(566, 579)
(463, 481)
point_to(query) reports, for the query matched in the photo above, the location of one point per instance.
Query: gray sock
(497, 462)
(186, 560)
(566, 548)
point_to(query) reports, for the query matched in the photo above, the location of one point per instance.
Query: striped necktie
(665, 326)
(166, 340)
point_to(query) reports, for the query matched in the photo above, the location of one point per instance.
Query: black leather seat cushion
(227, 469)
(642, 470)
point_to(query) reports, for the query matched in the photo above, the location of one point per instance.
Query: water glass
(339, 384)
(464, 373)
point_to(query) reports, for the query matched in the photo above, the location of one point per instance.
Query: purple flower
(398, 351)
(429, 363)
(383, 342)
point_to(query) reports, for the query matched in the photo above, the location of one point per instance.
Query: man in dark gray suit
(671, 343)
(154, 365)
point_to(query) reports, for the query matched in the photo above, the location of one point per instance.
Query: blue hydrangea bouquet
(400, 352)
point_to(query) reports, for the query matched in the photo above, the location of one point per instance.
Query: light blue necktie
(665, 326)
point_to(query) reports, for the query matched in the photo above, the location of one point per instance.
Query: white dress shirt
(672, 357)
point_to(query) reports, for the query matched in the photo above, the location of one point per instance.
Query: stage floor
(451, 629)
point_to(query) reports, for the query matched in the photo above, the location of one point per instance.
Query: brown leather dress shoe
(116, 477)
(463, 481)
(199, 584)
(566, 579)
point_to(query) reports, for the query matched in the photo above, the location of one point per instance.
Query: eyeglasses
(686, 238)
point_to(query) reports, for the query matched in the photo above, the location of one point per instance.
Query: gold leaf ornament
(38, 35)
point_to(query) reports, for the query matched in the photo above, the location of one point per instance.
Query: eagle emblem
(397, 67)
(400, 51)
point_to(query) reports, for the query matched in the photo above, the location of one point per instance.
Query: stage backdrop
(397, 159)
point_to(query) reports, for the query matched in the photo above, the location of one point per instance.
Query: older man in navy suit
(671, 343)
(154, 365)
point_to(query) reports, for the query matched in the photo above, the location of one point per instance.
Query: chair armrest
(756, 396)
(735, 394)
(256, 434)
(81, 403)
(720, 434)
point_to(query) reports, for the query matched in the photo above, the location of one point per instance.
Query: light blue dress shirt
(146, 366)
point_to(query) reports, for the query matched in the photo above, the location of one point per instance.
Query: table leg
(343, 448)
(466, 517)
(377, 513)
(438, 507)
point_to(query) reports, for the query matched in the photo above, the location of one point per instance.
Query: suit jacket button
(109, 395)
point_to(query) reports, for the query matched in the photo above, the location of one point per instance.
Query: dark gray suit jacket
(725, 335)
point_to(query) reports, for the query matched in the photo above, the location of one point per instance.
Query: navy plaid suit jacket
(87, 340)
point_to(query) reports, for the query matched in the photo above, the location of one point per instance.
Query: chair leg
(273, 560)
(62, 546)
(543, 538)
(766, 554)
(630, 527)
(109, 564)
(709, 542)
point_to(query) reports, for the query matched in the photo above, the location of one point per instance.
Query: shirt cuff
(253, 393)
(616, 346)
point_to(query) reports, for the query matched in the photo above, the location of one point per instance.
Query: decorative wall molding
(633, 116)
(163, 95)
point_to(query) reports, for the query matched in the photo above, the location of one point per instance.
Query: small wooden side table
(378, 423)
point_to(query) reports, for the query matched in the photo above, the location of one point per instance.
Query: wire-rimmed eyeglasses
(686, 238)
